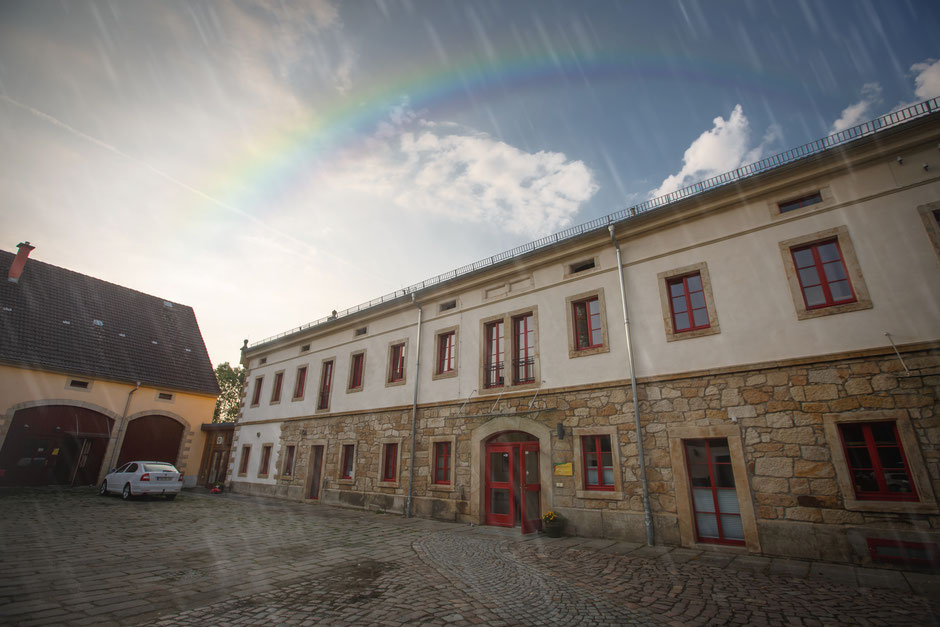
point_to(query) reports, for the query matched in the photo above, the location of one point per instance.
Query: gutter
(121, 426)
(647, 513)
(414, 411)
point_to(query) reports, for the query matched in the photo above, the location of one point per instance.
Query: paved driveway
(73, 557)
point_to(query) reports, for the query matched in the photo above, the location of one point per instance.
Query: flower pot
(554, 529)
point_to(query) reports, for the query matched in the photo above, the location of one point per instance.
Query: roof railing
(758, 167)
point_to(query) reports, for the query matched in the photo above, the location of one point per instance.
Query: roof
(901, 117)
(59, 320)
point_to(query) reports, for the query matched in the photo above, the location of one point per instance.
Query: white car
(135, 478)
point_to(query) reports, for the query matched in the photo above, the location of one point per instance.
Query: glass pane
(890, 457)
(889, 551)
(607, 460)
(728, 502)
(707, 525)
(720, 452)
(809, 276)
(732, 528)
(596, 337)
(883, 432)
(704, 501)
(499, 466)
(531, 466)
(678, 304)
(696, 451)
(834, 271)
(682, 321)
(701, 317)
(853, 435)
(897, 481)
(592, 476)
(499, 501)
(724, 476)
(594, 307)
(605, 443)
(589, 444)
(677, 289)
(694, 283)
(698, 474)
(865, 481)
(814, 296)
(828, 252)
(591, 460)
(803, 258)
(859, 458)
(698, 299)
(608, 476)
(532, 510)
(840, 290)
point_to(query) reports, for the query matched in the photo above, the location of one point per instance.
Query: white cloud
(860, 111)
(927, 81)
(720, 149)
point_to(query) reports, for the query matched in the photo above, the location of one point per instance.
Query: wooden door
(499, 484)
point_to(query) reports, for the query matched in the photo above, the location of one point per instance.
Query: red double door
(513, 485)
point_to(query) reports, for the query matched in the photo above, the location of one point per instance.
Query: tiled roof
(59, 320)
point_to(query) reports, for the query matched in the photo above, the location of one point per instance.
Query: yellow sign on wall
(564, 470)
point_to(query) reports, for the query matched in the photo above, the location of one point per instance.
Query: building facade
(784, 323)
(93, 374)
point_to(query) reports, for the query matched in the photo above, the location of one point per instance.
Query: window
(262, 361)
(446, 353)
(598, 462)
(304, 348)
(288, 469)
(390, 462)
(79, 384)
(876, 462)
(300, 383)
(326, 384)
(493, 362)
(356, 368)
(903, 552)
(246, 453)
(265, 460)
(256, 395)
(396, 366)
(799, 203)
(276, 391)
(523, 363)
(714, 497)
(348, 459)
(581, 266)
(930, 215)
(442, 463)
(587, 324)
(164, 396)
(361, 331)
(447, 306)
(687, 303)
(822, 275)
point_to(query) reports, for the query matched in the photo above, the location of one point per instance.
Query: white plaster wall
(270, 433)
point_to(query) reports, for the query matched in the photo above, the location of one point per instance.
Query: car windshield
(158, 467)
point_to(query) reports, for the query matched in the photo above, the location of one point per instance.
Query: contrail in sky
(175, 181)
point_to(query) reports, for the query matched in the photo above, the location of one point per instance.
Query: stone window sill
(607, 495)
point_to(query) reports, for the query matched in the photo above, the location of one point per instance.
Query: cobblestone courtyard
(72, 557)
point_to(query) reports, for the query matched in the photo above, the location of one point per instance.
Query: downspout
(414, 411)
(647, 514)
(117, 439)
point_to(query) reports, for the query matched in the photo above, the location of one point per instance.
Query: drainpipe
(414, 411)
(647, 514)
(117, 438)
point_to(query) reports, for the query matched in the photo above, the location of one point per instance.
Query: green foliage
(231, 381)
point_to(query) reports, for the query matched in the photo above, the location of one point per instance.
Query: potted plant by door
(553, 524)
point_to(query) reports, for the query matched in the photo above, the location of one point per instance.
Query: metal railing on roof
(769, 163)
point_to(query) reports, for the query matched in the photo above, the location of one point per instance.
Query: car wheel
(170, 497)
(103, 490)
(126, 493)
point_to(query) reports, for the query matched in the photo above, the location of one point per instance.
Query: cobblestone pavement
(71, 557)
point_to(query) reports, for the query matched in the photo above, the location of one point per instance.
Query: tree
(231, 381)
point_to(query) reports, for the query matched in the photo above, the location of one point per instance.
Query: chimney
(16, 269)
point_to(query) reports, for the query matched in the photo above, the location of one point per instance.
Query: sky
(267, 162)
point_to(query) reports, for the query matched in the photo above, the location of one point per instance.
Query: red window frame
(397, 370)
(326, 384)
(586, 322)
(288, 469)
(820, 266)
(446, 351)
(356, 378)
(246, 453)
(494, 376)
(884, 493)
(919, 553)
(389, 461)
(265, 460)
(276, 392)
(442, 463)
(349, 451)
(523, 334)
(596, 441)
(301, 384)
(256, 394)
(714, 481)
(683, 297)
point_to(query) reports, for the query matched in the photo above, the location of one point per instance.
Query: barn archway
(152, 438)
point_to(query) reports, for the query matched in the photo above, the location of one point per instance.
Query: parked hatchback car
(135, 478)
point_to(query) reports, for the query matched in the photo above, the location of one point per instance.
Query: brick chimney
(16, 269)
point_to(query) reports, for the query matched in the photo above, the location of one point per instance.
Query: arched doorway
(54, 445)
(512, 481)
(151, 438)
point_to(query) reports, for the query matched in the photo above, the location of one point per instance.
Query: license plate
(164, 478)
